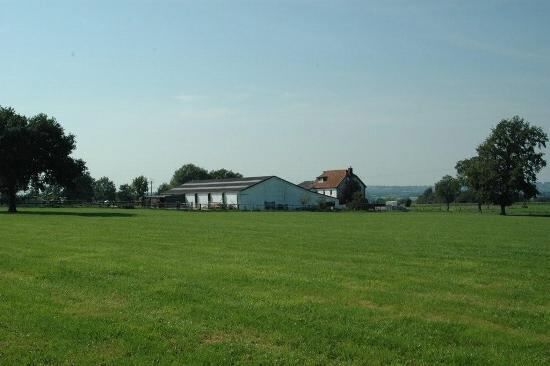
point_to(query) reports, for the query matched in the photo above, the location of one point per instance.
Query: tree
(104, 190)
(351, 186)
(224, 174)
(471, 174)
(34, 151)
(447, 189)
(358, 201)
(407, 202)
(426, 197)
(163, 188)
(509, 160)
(188, 172)
(140, 186)
(81, 189)
(125, 193)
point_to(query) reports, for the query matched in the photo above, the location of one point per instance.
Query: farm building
(254, 193)
(333, 182)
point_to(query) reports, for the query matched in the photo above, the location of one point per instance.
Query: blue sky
(400, 90)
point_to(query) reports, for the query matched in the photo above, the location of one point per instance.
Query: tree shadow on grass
(530, 215)
(70, 213)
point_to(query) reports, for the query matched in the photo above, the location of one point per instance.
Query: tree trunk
(11, 201)
(503, 210)
(479, 207)
(448, 206)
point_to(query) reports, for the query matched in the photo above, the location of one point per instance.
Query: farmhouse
(253, 193)
(333, 183)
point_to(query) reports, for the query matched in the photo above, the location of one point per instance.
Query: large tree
(471, 174)
(125, 193)
(104, 190)
(510, 159)
(426, 197)
(34, 151)
(351, 186)
(140, 186)
(224, 174)
(163, 187)
(188, 172)
(81, 189)
(447, 189)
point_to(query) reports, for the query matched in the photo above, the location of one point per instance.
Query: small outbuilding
(252, 193)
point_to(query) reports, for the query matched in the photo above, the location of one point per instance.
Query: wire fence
(529, 208)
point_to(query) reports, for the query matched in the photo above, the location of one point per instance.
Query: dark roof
(308, 184)
(216, 185)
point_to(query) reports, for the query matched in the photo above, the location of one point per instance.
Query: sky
(399, 90)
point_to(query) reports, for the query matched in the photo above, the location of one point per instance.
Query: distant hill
(544, 189)
(543, 186)
(375, 192)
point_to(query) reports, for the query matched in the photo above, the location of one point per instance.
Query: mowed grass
(91, 286)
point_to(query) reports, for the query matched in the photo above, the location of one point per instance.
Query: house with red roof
(333, 183)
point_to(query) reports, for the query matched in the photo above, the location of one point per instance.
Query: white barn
(253, 193)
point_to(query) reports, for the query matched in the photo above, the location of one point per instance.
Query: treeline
(87, 189)
(503, 171)
(189, 172)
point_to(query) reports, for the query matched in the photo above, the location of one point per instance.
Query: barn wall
(217, 197)
(278, 191)
(203, 198)
(231, 198)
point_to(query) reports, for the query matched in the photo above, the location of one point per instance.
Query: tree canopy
(125, 193)
(34, 151)
(427, 196)
(223, 174)
(507, 163)
(140, 186)
(104, 190)
(81, 189)
(447, 189)
(163, 187)
(189, 172)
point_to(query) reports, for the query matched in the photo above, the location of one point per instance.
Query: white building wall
(216, 197)
(203, 198)
(231, 198)
(278, 191)
(190, 198)
(328, 192)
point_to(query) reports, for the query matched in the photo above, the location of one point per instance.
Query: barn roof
(332, 179)
(216, 185)
(308, 184)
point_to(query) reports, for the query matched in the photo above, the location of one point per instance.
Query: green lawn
(91, 286)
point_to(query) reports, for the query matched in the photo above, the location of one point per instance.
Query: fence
(530, 208)
(523, 208)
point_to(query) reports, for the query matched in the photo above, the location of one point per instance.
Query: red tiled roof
(333, 179)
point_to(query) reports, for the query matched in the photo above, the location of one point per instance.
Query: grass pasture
(92, 286)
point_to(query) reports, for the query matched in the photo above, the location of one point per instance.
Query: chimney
(349, 172)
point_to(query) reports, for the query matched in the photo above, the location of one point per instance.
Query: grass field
(91, 286)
